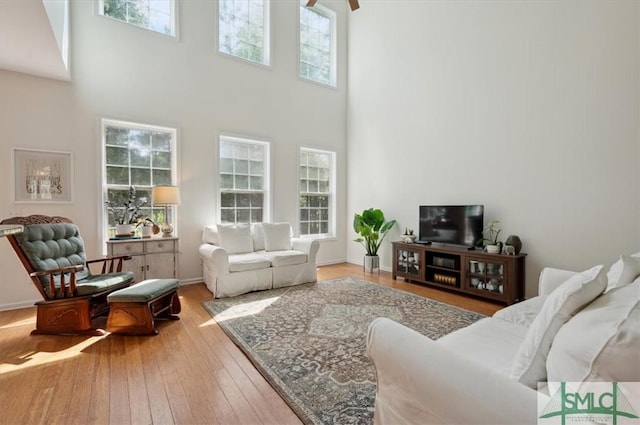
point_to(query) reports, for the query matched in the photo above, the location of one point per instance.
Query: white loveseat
(240, 258)
(488, 373)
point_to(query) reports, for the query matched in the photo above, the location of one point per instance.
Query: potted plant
(490, 241)
(408, 236)
(126, 215)
(147, 227)
(372, 228)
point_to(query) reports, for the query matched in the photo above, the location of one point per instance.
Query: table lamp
(165, 195)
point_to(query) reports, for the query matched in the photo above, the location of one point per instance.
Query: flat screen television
(451, 224)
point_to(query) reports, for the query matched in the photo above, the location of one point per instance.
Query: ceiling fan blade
(353, 3)
(311, 3)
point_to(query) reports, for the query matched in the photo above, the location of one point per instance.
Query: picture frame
(42, 176)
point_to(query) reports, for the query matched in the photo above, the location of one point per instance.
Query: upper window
(318, 44)
(317, 193)
(244, 180)
(138, 156)
(243, 29)
(154, 15)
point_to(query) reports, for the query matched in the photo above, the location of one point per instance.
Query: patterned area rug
(309, 340)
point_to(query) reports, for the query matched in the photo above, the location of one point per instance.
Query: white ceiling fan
(353, 3)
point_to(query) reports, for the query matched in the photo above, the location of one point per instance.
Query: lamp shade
(165, 195)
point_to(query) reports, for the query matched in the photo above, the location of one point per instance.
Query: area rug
(309, 340)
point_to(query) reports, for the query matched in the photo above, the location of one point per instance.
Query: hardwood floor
(191, 373)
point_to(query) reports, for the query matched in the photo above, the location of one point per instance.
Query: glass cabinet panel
(408, 262)
(486, 275)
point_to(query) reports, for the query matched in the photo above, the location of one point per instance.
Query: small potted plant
(147, 227)
(408, 236)
(372, 228)
(490, 241)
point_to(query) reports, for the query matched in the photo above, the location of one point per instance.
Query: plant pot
(372, 262)
(146, 231)
(493, 249)
(124, 229)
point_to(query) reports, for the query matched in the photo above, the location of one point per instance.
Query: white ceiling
(27, 42)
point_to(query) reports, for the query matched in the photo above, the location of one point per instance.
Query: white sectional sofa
(488, 373)
(240, 258)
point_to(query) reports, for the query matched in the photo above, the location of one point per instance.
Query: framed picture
(42, 176)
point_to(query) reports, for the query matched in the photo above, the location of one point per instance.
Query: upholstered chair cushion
(235, 238)
(277, 236)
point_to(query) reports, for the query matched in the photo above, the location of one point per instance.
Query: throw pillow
(601, 342)
(624, 271)
(529, 366)
(235, 238)
(258, 236)
(277, 236)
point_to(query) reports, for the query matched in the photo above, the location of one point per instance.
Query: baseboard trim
(16, 306)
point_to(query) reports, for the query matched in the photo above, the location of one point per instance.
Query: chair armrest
(551, 278)
(62, 290)
(308, 246)
(216, 255)
(111, 264)
(419, 381)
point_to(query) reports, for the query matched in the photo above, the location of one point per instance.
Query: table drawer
(127, 248)
(160, 246)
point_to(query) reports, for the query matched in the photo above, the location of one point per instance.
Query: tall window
(243, 29)
(138, 156)
(318, 44)
(244, 180)
(317, 182)
(154, 15)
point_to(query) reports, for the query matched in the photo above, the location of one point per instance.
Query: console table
(498, 277)
(151, 258)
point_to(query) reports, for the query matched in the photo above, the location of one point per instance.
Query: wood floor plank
(190, 373)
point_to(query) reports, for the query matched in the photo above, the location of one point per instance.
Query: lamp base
(167, 230)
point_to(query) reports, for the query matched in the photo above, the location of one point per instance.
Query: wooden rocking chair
(52, 252)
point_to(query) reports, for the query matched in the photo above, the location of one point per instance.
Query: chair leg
(69, 316)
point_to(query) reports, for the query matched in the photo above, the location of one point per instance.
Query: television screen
(451, 224)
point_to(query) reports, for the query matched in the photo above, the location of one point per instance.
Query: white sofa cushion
(285, 258)
(624, 271)
(490, 343)
(235, 238)
(522, 313)
(258, 236)
(277, 236)
(529, 366)
(248, 261)
(602, 342)
(210, 235)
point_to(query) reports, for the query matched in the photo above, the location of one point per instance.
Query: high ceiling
(27, 41)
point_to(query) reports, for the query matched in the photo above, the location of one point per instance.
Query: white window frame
(328, 13)
(266, 174)
(106, 122)
(173, 19)
(266, 36)
(331, 195)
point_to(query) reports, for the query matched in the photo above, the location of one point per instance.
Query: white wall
(123, 72)
(530, 108)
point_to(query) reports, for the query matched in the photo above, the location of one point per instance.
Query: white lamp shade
(165, 195)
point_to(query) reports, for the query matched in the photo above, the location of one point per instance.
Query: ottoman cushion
(143, 291)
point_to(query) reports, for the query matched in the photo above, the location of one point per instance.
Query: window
(243, 29)
(317, 182)
(136, 155)
(154, 15)
(244, 180)
(318, 44)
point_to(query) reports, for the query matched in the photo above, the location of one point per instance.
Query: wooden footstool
(132, 310)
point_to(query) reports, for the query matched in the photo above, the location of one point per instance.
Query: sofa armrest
(551, 278)
(419, 381)
(308, 246)
(216, 255)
